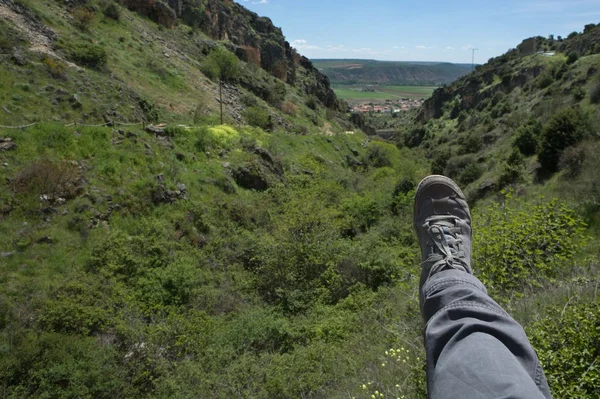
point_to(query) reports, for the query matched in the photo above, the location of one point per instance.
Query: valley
(190, 207)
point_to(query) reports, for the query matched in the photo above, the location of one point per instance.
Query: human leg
(474, 348)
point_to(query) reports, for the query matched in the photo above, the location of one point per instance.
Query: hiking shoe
(443, 225)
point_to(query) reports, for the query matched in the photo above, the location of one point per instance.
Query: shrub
(289, 108)
(527, 137)
(439, 162)
(276, 93)
(52, 179)
(112, 11)
(512, 169)
(519, 248)
(299, 267)
(572, 161)
(47, 364)
(578, 93)
(249, 100)
(455, 165)
(377, 155)
(566, 342)
(545, 80)
(258, 117)
(149, 110)
(83, 17)
(470, 143)
(470, 173)
(572, 58)
(56, 68)
(90, 55)
(415, 137)
(565, 129)
(501, 109)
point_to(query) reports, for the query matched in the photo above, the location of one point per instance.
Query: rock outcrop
(255, 38)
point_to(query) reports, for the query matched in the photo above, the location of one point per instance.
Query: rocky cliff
(255, 39)
(518, 68)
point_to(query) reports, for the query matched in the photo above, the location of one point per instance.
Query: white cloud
(301, 44)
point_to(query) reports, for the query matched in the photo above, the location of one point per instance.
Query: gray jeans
(474, 348)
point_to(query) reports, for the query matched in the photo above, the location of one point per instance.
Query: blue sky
(432, 30)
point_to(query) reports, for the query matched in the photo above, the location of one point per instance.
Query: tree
(223, 65)
(566, 128)
(527, 137)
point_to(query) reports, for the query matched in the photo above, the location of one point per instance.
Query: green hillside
(271, 256)
(350, 72)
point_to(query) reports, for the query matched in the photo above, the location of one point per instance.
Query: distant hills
(351, 71)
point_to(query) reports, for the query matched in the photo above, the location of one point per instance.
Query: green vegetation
(223, 66)
(348, 72)
(271, 256)
(352, 92)
(170, 271)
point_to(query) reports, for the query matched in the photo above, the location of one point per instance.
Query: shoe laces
(446, 244)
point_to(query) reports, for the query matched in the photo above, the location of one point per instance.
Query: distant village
(389, 106)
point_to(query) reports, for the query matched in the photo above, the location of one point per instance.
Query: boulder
(250, 177)
(6, 144)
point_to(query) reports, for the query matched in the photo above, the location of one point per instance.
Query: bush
(415, 137)
(249, 100)
(518, 248)
(289, 108)
(83, 17)
(566, 342)
(276, 93)
(578, 93)
(572, 58)
(47, 364)
(56, 68)
(565, 129)
(470, 173)
(112, 11)
(501, 109)
(512, 169)
(258, 117)
(90, 55)
(545, 80)
(378, 155)
(455, 165)
(149, 110)
(439, 162)
(48, 178)
(572, 161)
(470, 143)
(527, 137)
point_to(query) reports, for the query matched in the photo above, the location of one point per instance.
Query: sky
(433, 30)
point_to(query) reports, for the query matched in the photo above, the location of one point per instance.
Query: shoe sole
(431, 180)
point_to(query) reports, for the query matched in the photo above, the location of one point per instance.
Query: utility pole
(473, 60)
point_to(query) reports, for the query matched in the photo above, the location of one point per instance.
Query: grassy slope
(144, 60)
(350, 93)
(390, 72)
(297, 291)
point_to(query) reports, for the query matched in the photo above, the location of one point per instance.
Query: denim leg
(474, 348)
